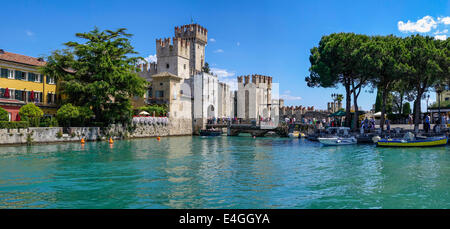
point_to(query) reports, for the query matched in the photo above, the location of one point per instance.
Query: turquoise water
(222, 172)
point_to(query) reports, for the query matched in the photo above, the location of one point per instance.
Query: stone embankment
(141, 127)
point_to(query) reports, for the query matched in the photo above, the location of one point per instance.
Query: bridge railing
(268, 125)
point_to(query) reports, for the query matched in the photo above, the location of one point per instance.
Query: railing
(148, 120)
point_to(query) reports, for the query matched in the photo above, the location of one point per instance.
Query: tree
(406, 108)
(66, 114)
(336, 61)
(70, 115)
(3, 115)
(382, 61)
(206, 68)
(31, 113)
(99, 73)
(427, 63)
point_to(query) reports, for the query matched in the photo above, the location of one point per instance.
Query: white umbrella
(144, 113)
(378, 114)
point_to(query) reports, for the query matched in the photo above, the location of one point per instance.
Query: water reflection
(222, 172)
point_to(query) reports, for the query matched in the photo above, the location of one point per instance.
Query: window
(167, 65)
(19, 75)
(160, 84)
(18, 94)
(4, 73)
(184, 66)
(50, 80)
(11, 74)
(159, 94)
(32, 77)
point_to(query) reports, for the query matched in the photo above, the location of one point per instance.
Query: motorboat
(409, 140)
(211, 132)
(337, 136)
(335, 141)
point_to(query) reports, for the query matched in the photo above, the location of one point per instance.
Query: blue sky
(249, 37)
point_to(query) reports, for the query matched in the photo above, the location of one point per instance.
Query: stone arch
(210, 111)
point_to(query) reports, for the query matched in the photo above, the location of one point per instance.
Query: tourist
(427, 123)
(388, 126)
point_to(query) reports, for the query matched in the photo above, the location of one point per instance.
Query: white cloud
(232, 82)
(441, 32)
(29, 33)
(290, 97)
(222, 72)
(212, 40)
(445, 20)
(423, 25)
(441, 37)
(218, 51)
(287, 96)
(151, 58)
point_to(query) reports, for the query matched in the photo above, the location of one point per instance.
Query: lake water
(222, 172)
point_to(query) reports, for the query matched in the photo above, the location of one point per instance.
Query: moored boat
(422, 142)
(335, 141)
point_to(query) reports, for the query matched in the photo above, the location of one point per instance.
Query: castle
(194, 96)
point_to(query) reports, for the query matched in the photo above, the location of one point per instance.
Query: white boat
(336, 141)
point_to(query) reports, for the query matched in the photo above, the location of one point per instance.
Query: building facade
(194, 96)
(254, 99)
(21, 83)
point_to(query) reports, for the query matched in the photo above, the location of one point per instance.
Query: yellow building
(21, 83)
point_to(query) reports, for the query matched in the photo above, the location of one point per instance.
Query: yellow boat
(426, 142)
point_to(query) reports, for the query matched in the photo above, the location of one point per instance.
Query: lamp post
(428, 108)
(439, 90)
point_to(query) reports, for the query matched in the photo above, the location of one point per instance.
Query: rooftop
(21, 59)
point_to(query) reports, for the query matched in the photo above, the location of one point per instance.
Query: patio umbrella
(144, 113)
(6, 95)
(338, 113)
(32, 95)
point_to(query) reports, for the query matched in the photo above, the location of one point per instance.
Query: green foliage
(69, 115)
(206, 68)
(160, 110)
(99, 73)
(406, 108)
(48, 122)
(3, 115)
(31, 113)
(14, 125)
(444, 104)
(337, 61)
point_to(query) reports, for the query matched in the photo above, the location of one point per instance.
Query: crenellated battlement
(256, 79)
(178, 47)
(150, 68)
(191, 32)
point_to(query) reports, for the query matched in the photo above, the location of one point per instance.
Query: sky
(270, 38)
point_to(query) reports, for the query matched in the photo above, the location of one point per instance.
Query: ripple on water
(223, 172)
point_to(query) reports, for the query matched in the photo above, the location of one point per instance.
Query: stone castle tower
(173, 57)
(198, 38)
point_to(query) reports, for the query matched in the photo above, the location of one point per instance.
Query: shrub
(4, 115)
(69, 115)
(14, 125)
(31, 113)
(48, 122)
(160, 110)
